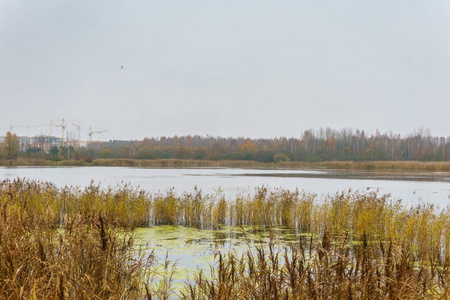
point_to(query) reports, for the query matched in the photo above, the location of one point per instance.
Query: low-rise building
(45, 142)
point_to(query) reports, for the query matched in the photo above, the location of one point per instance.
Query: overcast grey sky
(230, 68)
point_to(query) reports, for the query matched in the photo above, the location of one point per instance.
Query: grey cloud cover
(229, 68)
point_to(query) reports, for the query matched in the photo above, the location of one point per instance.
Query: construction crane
(94, 132)
(63, 127)
(78, 126)
(26, 126)
(50, 126)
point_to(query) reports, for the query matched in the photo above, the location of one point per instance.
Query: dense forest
(312, 146)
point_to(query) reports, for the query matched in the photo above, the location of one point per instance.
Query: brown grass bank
(371, 165)
(190, 163)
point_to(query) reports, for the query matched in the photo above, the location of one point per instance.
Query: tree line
(312, 146)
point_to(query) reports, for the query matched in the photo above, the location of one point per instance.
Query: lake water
(412, 188)
(192, 248)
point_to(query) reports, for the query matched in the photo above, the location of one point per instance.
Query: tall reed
(90, 258)
(77, 243)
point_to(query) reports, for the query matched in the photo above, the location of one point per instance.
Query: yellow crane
(94, 132)
(11, 128)
(77, 124)
(63, 127)
(51, 125)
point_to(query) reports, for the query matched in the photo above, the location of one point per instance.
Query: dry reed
(61, 243)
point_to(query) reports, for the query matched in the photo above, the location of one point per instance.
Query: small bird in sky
(121, 67)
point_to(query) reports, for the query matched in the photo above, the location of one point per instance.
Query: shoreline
(416, 166)
(184, 163)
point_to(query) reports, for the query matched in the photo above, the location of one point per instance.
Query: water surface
(412, 188)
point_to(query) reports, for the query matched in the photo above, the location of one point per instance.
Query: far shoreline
(415, 166)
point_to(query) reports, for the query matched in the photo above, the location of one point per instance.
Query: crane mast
(63, 127)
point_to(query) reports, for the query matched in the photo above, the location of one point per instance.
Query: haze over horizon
(235, 68)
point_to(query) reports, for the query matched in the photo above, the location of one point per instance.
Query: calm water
(194, 249)
(412, 188)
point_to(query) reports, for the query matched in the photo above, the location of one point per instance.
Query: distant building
(45, 142)
(25, 142)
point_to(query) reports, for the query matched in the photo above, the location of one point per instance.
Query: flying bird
(121, 67)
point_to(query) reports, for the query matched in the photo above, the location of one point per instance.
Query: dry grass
(418, 166)
(413, 166)
(71, 243)
(88, 259)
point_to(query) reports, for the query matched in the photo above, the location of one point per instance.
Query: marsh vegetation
(73, 243)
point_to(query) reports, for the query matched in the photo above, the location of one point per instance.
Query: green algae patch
(192, 249)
